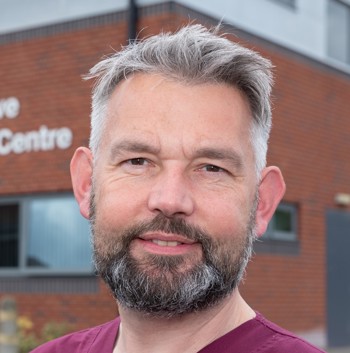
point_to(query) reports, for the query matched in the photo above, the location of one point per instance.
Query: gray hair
(193, 55)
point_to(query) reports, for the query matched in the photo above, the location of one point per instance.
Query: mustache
(169, 226)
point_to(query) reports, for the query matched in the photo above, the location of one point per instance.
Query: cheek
(225, 216)
(107, 236)
(118, 206)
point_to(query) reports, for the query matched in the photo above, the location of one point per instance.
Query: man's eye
(213, 168)
(137, 161)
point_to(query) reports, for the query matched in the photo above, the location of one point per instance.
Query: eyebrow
(120, 147)
(223, 154)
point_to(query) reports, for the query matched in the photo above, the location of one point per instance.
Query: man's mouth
(165, 243)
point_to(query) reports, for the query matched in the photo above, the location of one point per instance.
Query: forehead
(152, 106)
(153, 92)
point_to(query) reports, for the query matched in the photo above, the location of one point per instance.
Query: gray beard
(155, 286)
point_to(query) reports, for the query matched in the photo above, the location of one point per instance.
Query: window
(339, 30)
(281, 235)
(283, 224)
(43, 235)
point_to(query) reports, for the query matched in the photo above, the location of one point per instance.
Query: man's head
(193, 55)
(175, 185)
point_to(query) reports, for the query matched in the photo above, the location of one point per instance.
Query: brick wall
(309, 142)
(45, 75)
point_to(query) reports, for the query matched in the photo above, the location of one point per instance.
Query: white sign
(9, 108)
(43, 139)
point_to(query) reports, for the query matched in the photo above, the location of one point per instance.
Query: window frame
(23, 269)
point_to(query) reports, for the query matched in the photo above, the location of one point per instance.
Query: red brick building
(44, 116)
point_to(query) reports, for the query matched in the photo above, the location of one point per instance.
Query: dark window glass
(9, 222)
(283, 221)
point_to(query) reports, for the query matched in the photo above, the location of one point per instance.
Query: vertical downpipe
(132, 21)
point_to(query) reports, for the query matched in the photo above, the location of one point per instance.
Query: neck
(187, 333)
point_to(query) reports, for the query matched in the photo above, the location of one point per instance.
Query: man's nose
(171, 194)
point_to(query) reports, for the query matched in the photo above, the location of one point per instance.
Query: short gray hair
(193, 55)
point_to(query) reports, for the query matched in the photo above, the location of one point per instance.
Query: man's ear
(81, 174)
(271, 191)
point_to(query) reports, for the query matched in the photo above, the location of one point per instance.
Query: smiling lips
(166, 240)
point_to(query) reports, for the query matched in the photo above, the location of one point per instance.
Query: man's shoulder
(279, 340)
(260, 335)
(82, 341)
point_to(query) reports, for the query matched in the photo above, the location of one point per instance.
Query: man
(176, 190)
